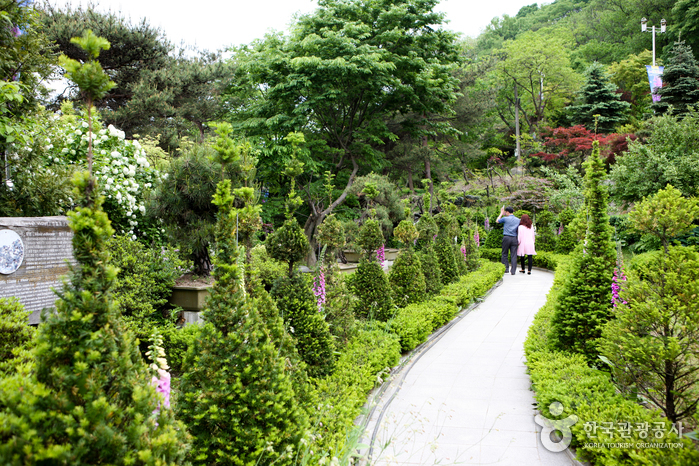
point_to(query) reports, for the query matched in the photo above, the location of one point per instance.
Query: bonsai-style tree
(237, 397)
(406, 278)
(585, 302)
(651, 343)
(369, 282)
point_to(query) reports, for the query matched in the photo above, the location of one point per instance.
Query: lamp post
(644, 28)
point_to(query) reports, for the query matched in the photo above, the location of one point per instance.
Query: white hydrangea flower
(85, 125)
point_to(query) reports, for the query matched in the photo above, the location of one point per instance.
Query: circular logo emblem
(11, 251)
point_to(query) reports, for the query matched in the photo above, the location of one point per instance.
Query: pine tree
(680, 81)
(430, 269)
(598, 96)
(237, 396)
(89, 400)
(585, 302)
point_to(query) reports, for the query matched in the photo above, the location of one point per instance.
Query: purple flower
(487, 223)
(616, 287)
(463, 251)
(381, 255)
(477, 238)
(560, 229)
(319, 289)
(162, 386)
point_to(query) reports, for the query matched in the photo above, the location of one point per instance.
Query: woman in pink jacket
(525, 239)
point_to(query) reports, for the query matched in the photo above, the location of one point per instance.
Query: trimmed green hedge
(591, 395)
(342, 394)
(543, 259)
(414, 323)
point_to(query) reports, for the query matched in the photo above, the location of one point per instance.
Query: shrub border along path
(492, 415)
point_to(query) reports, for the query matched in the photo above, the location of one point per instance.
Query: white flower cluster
(122, 170)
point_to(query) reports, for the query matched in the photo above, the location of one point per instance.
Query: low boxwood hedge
(591, 395)
(414, 323)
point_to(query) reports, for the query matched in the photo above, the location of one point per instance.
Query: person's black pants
(531, 260)
(509, 244)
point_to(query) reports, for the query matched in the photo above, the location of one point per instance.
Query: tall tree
(585, 302)
(135, 49)
(680, 81)
(537, 65)
(601, 108)
(343, 71)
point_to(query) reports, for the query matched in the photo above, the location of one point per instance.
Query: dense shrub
(474, 284)
(494, 238)
(236, 394)
(566, 240)
(446, 260)
(406, 279)
(585, 304)
(89, 399)
(545, 239)
(370, 284)
(427, 229)
(16, 336)
(470, 251)
(339, 303)
(298, 309)
(342, 395)
(145, 279)
(430, 269)
(265, 269)
(590, 394)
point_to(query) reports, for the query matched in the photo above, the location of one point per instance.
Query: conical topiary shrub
(369, 282)
(566, 237)
(469, 250)
(406, 278)
(445, 251)
(89, 399)
(288, 243)
(430, 269)
(427, 230)
(236, 394)
(308, 327)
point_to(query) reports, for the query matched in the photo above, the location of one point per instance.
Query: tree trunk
(316, 218)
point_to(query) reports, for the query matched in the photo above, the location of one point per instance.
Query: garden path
(465, 398)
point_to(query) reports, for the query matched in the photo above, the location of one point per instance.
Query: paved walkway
(466, 400)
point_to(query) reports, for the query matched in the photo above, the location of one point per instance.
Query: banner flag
(655, 80)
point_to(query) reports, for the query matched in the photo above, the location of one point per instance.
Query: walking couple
(517, 239)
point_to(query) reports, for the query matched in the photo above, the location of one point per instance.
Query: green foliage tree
(89, 399)
(427, 229)
(342, 73)
(669, 155)
(331, 233)
(370, 285)
(685, 15)
(680, 81)
(601, 108)
(631, 78)
(494, 238)
(16, 337)
(566, 239)
(664, 215)
(585, 302)
(651, 343)
(537, 64)
(288, 243)
(545, 239)
(370, 238)
(237, 396)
